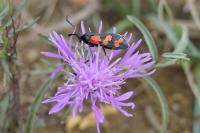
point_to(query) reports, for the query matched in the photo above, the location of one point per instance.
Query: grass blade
(6, 68)
(136, 5)
(166, 63)
(147, 36)
(36, 103)
(153, 5)
(4, 104)
(171, 34)
(14, 13)
(172, 55)
(184, 41)
(163, 102)
(4, 12)
(196, 124)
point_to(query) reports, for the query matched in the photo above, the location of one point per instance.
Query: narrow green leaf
(2, 4)
(166, 63)
(136, 7)
(27, 25)
(192, 50)
(172, 59)
(163, 102)
(197, 72)
(1, 35)
(153, 5)
(44, 38)
(53, 65)
(6, 68)
(173, 36)
(14, 13)
(196, 124)
(184, 41)
(170, 33)
(168, 10)
(176, 56)
(4, 12)
(147, 36)
(36, 103)
(4, 104)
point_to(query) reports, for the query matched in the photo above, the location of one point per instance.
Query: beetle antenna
(67, 20)
(77, 34)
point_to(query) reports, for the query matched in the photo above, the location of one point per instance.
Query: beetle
(107, 40)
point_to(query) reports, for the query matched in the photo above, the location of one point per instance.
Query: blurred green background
(167, 102)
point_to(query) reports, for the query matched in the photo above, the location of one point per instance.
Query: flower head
(95, 77)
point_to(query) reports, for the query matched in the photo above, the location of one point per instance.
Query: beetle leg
(90, 51)
(104, 50)
(86, 61)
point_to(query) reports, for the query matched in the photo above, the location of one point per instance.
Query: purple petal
(57, 70)
(61, 90)
(125, 96)
(114, 30)
(129, 104)
(129, 39)
(131, 50)
(98, 115)
(98, 128)
(55, 41)
(116, 52)
(51, 38)
(145, 66)
(131, 60)
(52, 55)
(100, 27)
(145, 55)
(82, 27)
(124, 112)
(67, 49)
(137, 62)
(55, 98)
(124, 35)
(74, 110)
(146, 59)
(56, 108)
(142, 75)
(89, 29)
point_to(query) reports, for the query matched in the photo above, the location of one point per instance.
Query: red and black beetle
(108, 40)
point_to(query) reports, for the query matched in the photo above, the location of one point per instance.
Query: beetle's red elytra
(118, 42)
(95, 39)
(107, 40)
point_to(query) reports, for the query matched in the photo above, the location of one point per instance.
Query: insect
(108, 40)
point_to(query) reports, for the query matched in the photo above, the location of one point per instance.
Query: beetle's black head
(77, 35)
(86, 37)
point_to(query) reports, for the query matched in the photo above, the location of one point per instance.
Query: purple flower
(95, 77)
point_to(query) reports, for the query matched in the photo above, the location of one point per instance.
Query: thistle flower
(95, 77)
